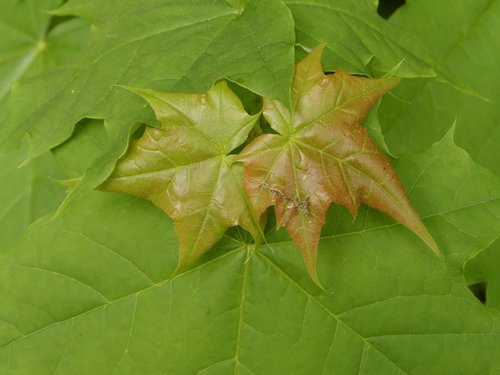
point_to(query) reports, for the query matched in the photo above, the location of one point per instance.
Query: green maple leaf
(323, 155)
(190, 53)
(185, 168)
(358, 39)
(469, 45)
(96, 283)
(94, 290)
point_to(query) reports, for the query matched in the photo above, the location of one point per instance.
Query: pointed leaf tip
(184, 167)
(321, 155)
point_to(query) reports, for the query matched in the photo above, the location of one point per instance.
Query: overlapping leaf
(184, 167)
(482, 275)
(321, 155)
(469, 48)
(26, 193)
(96, 283)
(359, 40)
(28, 45)
(172, 45)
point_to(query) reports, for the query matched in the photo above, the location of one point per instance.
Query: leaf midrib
(302, 127)
(324, 308)
(341, 161)
(169, 170)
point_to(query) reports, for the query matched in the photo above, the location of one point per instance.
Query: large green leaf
(181, 45)
(357, 39)
(91, 292)
(466, 39)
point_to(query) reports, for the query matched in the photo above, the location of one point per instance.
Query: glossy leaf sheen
(184, 167)
(321, 155)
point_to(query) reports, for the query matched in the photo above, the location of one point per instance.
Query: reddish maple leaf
(322, 155)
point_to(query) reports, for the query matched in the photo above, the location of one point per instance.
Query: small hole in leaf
(479, 291)
(387, 7)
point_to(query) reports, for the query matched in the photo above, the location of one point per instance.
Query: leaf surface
(469, 49)
(159, 50)
(87, 143)
(29, 44)
(321, 155)
(358, 40)
(185, 167)
(96, 283)
(481, 273)
(26, 193)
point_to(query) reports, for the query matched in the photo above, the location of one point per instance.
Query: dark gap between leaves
(79, 128)
(57, 20)
(251, 101)
(138, 132)
(387, 7)
(479, 291)
(253, 105)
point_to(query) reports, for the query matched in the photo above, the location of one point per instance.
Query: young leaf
(184, 167)
(323, 155)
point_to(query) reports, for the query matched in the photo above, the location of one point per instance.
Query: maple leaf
(322, 155)
(185, 168)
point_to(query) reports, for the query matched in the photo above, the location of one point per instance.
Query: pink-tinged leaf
(323, 155)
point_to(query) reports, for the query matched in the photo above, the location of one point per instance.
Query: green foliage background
(91, 291)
